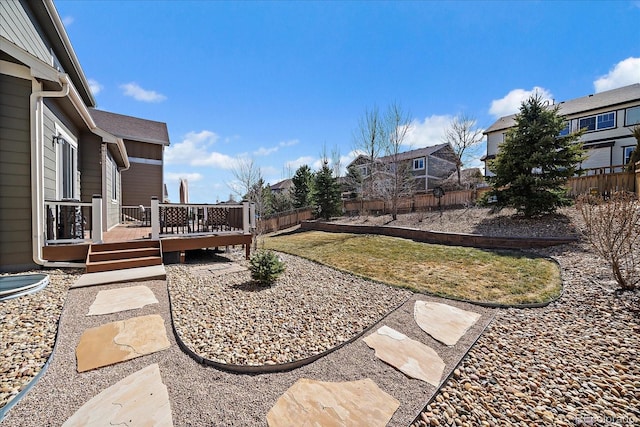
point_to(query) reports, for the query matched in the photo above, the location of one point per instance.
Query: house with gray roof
(428, 166)
(607, 118)
(58, 155)
(145, 141)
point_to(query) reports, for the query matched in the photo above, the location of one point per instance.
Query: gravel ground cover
(28, 331)
(571, 363)
(205, 396)
(311, 309)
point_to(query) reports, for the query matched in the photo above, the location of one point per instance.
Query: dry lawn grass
(448, 271)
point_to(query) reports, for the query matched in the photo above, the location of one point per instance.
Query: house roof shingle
(132, 128)
(407, 155)
(580, 105)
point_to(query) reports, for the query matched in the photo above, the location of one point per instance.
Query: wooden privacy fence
(284, 220)
(419, 202)
(601, 183)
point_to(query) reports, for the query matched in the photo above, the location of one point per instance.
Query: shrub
(265, 267)
(613, 229)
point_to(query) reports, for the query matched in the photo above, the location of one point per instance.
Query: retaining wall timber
(441, 238)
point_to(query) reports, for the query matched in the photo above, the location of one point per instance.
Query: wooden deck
(169, 243)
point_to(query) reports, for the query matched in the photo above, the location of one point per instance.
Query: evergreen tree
(635, 154)
(534, 163)
(302, 187)
(326, 194)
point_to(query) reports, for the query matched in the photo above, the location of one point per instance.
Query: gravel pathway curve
(202, 395)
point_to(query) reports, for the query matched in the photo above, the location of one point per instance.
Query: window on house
(565, 130)
(364, 171)
(599, 122)
(627, 154)
(67, 166)
(418, 163)
(632, 116)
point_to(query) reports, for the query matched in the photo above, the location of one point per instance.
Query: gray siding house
(428, 166)
(145, 141)
(607, 117)
(53, 153)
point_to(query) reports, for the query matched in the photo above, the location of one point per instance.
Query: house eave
(52, 25)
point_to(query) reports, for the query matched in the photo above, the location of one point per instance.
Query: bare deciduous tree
(613, 229)
(370, 139)
(463, 134)
(399, 180)
(249, 184)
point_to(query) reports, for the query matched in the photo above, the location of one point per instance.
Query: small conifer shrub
(265, 267)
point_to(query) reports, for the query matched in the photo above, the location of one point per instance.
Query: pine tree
(534, 163)
(326, 192)
(302, 183)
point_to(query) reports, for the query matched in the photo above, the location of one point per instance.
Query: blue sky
(275, 82)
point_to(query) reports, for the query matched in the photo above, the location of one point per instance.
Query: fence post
(155, 218)
(245, 217)
(96, 218)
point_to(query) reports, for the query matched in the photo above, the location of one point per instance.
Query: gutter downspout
(36, 112)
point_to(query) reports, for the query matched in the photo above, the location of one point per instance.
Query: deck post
(155, 218)
(96, 218)
(245, 217)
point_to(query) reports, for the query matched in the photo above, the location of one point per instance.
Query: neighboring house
(145, 141)
(283, 186)
(52, 147)
(428, 166)
(606, 116)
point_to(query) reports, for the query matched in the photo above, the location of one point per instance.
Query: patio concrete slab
(316, 403)
(119, 276)
(410, 357)
(119, 341)
(141, 399)
(218, 269)
(122, 299)
(443, 322)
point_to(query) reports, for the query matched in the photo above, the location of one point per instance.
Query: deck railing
(171, 219)
(67, 221)
(136, 215)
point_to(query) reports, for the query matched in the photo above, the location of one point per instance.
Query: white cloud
(95, 87)
(295, 164)
(429, 132)
(511, 103)
(196, 149)
(624, 73)
(67, 20)
(262, 151)
(177, 176)
(139, 94)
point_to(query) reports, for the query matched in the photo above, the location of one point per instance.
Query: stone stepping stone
(119, 341)
(218, 269)
(316, 403)
(122, 299)
(141, 399)
(410, 357)
(443, 322)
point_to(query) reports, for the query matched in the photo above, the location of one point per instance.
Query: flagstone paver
(443, 322)
(218, 269)
(317, 403)
(119, 341)
(137, 400)
(411, 357)
(121, 299)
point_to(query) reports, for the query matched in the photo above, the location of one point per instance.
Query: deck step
(121, 264)
(133, 244)
(123, 255)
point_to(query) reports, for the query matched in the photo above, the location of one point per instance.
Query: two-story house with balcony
(607, 118)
